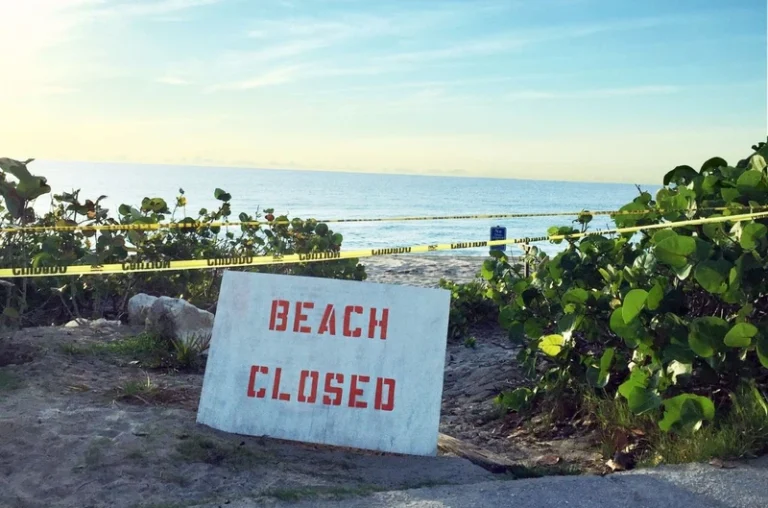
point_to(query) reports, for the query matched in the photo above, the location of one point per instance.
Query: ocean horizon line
(343, 171)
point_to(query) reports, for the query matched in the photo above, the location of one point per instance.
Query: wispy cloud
(173, 80)
(517, 40)
(148, 7)
(528, 95)
(274, 77)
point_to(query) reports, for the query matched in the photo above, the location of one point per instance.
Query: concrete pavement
(687, 486)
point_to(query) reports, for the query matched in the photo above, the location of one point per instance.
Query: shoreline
(422, 270)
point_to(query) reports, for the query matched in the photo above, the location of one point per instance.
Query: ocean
(335, 195)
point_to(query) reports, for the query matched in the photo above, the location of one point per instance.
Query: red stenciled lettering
(299, 317)
(379, 404)
(328, 322)
(355, 392)
(348, 310)
(256, 369)
(336, 391)
(281, 314)
(313, 389)
(382, 324)
(276, 388)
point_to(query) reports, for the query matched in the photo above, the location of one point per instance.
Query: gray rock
(173, 317)
(98, 323)
(138, 308)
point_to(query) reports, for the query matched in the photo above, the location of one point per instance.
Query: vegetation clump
(470, 305)
(671, 324)
(204, 235)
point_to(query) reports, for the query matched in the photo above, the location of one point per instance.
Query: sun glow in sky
(604, 90)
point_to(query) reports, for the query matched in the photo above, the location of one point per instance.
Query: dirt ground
(85, 429)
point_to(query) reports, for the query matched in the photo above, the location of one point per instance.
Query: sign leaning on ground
(327, 361)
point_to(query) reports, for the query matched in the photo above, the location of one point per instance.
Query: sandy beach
(422, 270)
(70, 437)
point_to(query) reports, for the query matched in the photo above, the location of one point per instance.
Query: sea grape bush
(33, 301)
(470, 305)
(673, 323)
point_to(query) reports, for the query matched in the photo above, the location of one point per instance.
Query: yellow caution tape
(245, 261)
(220, 224)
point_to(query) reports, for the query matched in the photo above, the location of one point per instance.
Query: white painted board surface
(327, 361)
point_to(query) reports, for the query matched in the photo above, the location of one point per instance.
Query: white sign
(327, 361)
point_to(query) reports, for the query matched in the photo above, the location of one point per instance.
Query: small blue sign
(499, 233)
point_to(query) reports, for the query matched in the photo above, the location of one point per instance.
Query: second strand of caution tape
(246, 261)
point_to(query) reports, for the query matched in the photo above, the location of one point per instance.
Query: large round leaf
(740, 335)
(551, 345)
(712, 275)
(681, 175)
(634, 302)
(750, 181)
(629, 333)
(642, 400)
(673, 249)
(751, 235)
(706, 335)
(713, 164)
(686, 411)
(655, 296)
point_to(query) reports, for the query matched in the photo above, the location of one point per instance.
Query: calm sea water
(329, 195)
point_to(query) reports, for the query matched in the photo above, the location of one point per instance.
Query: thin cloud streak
(508, 42)
(150, 8)
(596, 93)
(275, 77)
(172, 80)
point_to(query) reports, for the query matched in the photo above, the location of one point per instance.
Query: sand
(69, 438)
(422, 271)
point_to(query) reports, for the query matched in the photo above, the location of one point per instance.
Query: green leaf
(488, 270)
(686, 411)
(713, 164)
(706, 335)
(749, 181)
(681, 175)
(673, 249)
(633, 304)
(676, 369)
(551, 345)
(655, 296)
(515, 400)
(740, 335)
(534, 327)
(638, 378)
(712, 275)
(762, 349)
(757, 163)
(599, 375)
(11, 313)
(575, 295)
(751, 234)
(643, 401)
(645, 263)
(729, 194)
(221, 195)
(629, 333)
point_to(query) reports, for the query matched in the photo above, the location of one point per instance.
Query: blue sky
(615, 90)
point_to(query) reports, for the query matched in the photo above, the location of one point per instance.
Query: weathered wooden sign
(327, 361)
